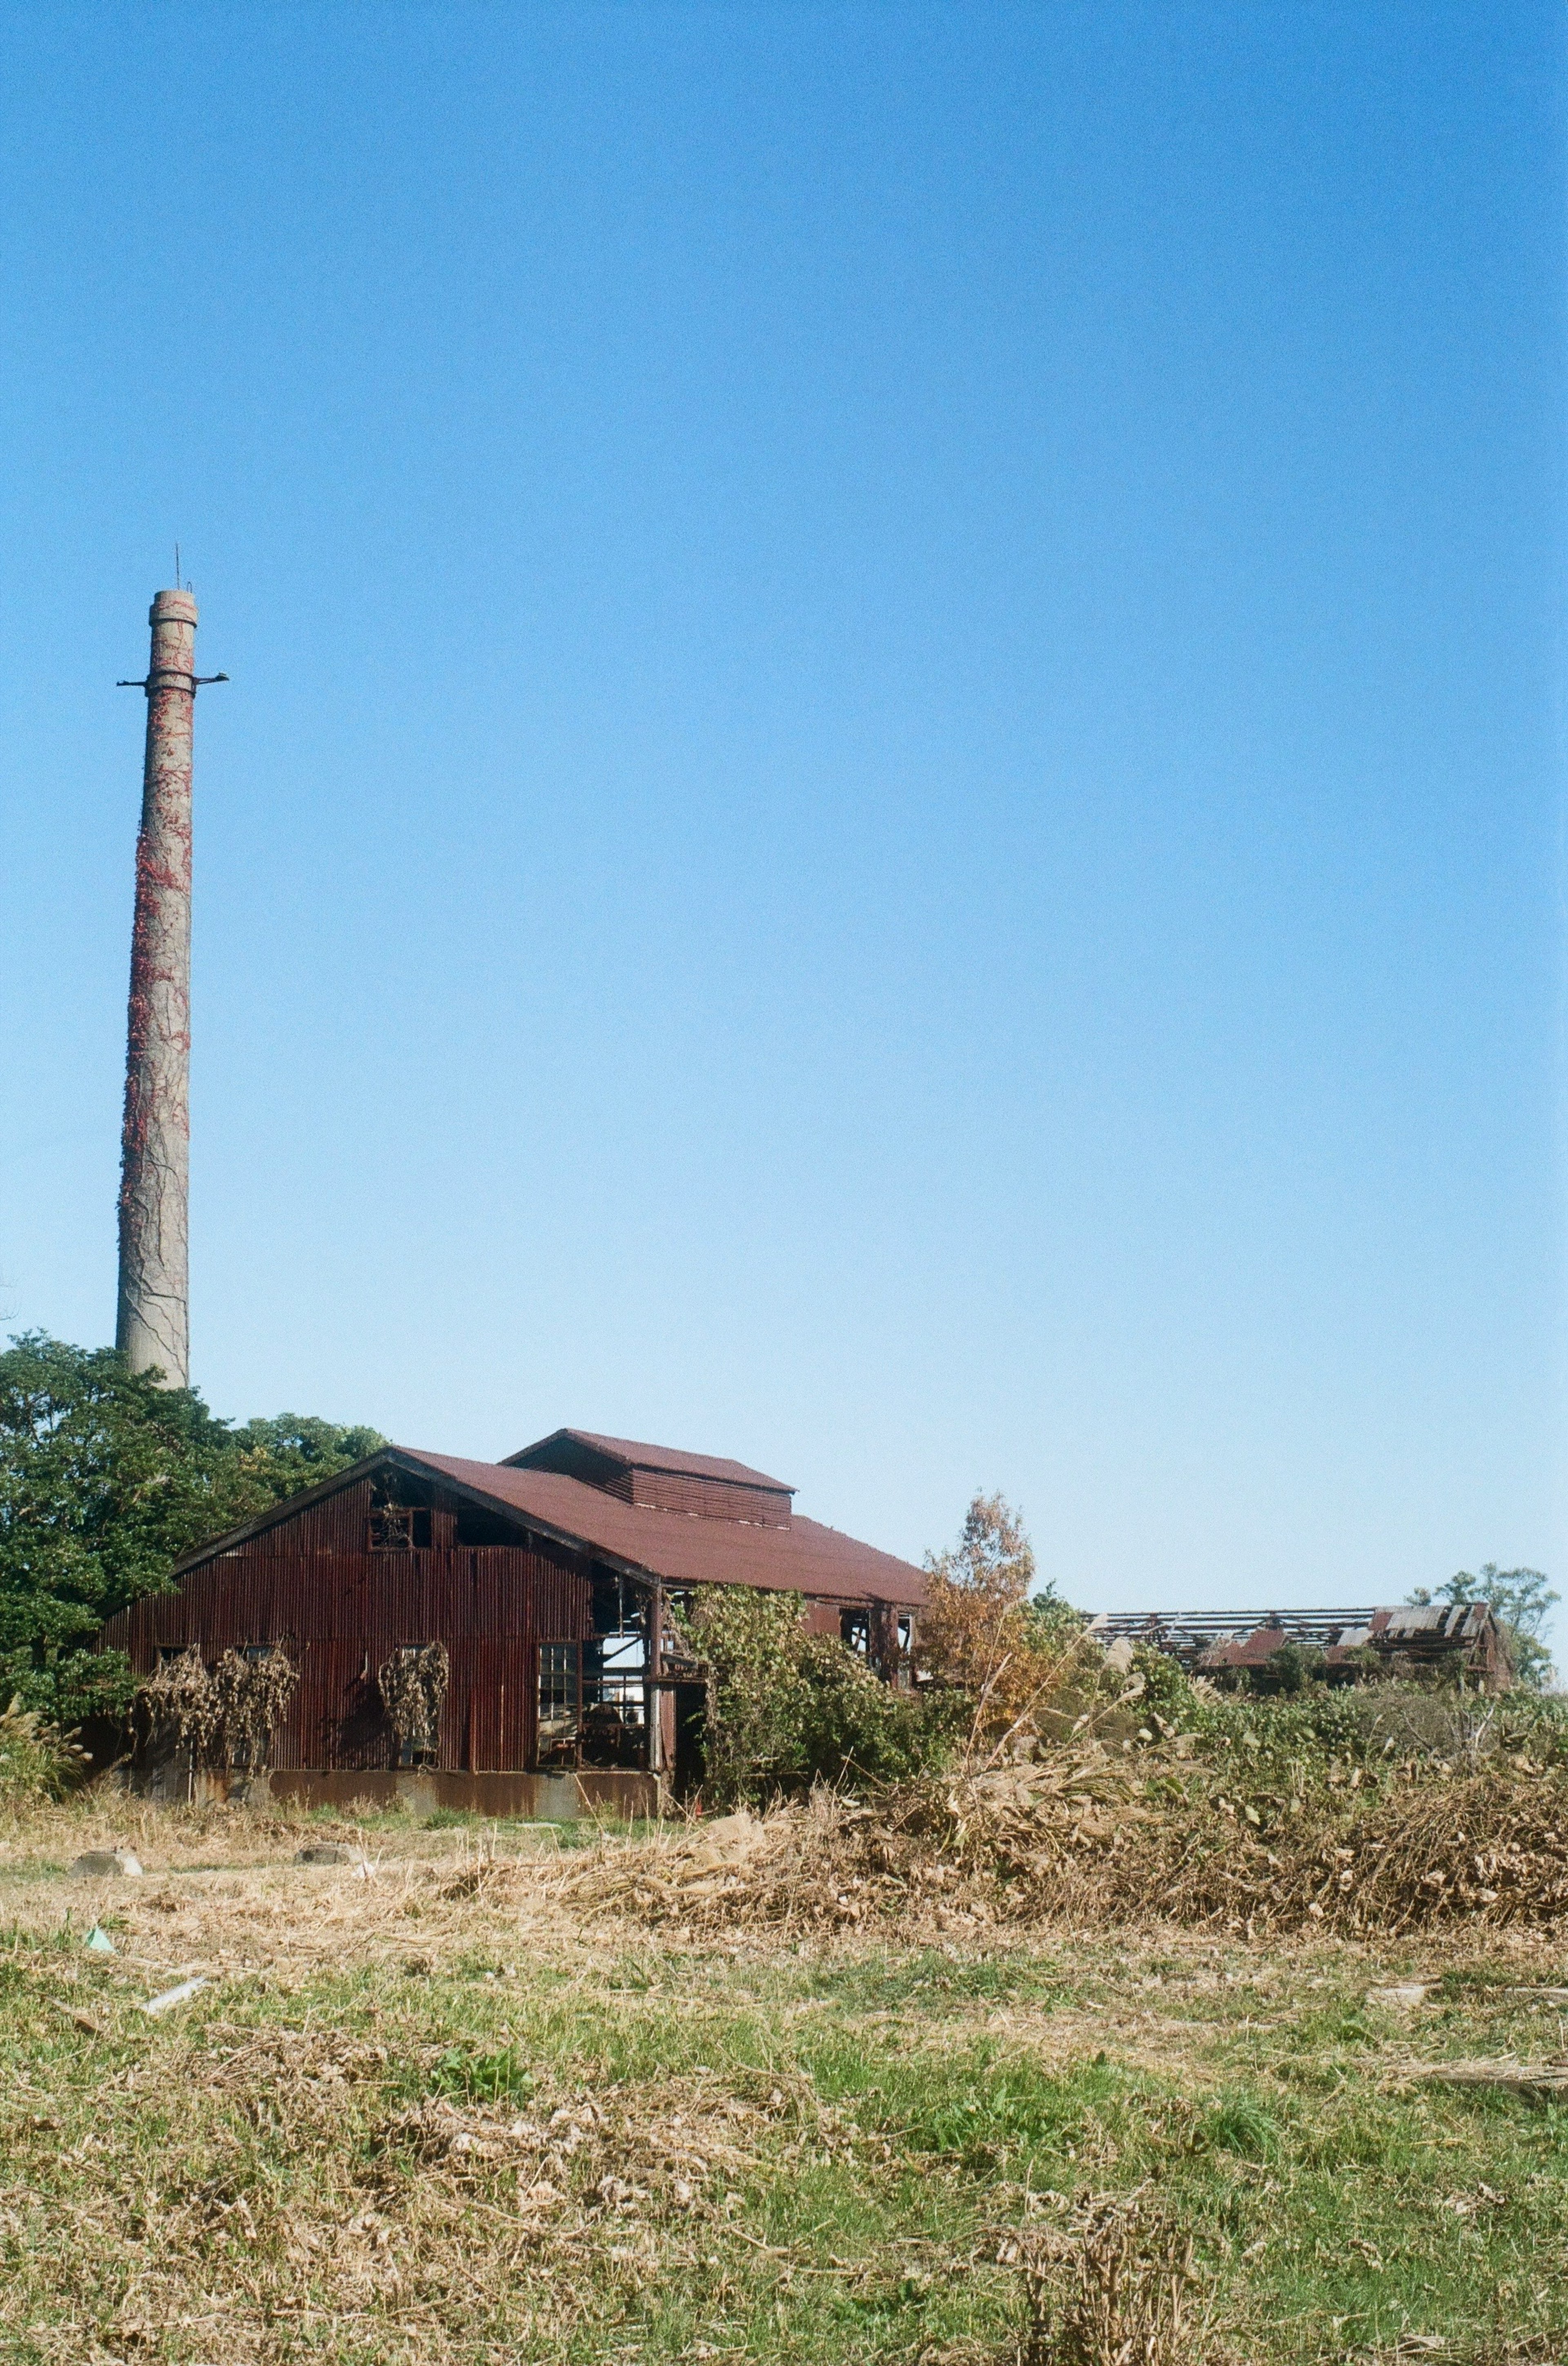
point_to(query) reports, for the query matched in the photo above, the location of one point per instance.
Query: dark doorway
(691, 1720)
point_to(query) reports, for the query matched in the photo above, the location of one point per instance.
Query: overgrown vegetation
(106, 1479)
(787, 1708)
(36, 1760)
(1006, 1670)
(433, 2117)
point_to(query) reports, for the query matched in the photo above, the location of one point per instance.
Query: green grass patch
(806, 2159)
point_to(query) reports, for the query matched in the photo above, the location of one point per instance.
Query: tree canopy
(1519, 1600)
(105, 1482)
(1011, 1651)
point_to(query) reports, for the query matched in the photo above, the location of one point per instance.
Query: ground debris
(1538, 2081)
(1083, 1834)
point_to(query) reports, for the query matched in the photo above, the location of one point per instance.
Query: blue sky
(891, 790)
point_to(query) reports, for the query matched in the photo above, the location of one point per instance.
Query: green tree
(106, 1481)
(1519, 1600)
(295, 1450)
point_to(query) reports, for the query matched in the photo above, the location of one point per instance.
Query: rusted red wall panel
(339, 1524)
(341, 1609)
(711, 1499)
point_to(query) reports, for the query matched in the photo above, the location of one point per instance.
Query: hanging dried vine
(252, 1695)
(181, 1707)
(223, 1716)
(412, 1683)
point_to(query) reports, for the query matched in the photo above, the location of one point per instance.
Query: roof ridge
(644, 1453)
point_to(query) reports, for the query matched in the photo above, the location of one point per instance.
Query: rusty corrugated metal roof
(639, 1456)
(805, 1558)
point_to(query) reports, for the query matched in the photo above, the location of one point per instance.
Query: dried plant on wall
(181, 1707)
(412, 1683)
(252, 1696)
(224, 1714)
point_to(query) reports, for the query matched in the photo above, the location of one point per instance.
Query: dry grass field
(492, 2098)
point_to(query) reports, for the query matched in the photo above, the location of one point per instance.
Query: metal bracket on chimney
(172, 674)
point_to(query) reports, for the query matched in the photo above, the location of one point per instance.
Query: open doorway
(690, 1728)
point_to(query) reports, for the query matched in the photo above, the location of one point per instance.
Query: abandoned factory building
(554, 1583)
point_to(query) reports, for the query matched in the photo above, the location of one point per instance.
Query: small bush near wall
(787, 1708)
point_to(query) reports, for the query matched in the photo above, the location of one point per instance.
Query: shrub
(36, 1761)
(1022, 1661)
(787, 1708)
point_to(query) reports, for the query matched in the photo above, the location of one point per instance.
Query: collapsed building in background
(1346, 1647)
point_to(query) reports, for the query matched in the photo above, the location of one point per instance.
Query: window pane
(557, 1691)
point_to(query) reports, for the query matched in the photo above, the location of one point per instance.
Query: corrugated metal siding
(710, 1499)
(340, 1609)
(577, 1458)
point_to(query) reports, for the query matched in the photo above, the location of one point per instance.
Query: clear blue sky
(891, 798)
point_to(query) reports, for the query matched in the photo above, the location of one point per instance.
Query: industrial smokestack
(153, 1331)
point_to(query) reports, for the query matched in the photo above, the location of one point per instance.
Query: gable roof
(805, 1558)
(639, 1456)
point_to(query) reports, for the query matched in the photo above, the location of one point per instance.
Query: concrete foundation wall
(420, 1791)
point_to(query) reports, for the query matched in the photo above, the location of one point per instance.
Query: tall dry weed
(1116, 2293)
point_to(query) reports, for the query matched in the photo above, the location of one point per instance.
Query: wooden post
(654, 1697)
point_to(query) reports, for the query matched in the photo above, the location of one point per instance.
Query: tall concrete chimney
(152, 1330)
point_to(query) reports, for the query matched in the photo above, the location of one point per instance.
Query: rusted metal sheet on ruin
(704, 1487)
(1240, 1640)
(804, 1557)
(638, 1454)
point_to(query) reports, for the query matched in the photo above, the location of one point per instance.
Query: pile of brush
(1087, 1835)
(1490, 1847)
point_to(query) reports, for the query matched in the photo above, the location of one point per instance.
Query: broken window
(395, 1527)
(559, 1693)
(400, 1528)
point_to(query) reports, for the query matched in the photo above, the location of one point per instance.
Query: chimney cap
(172, 607)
